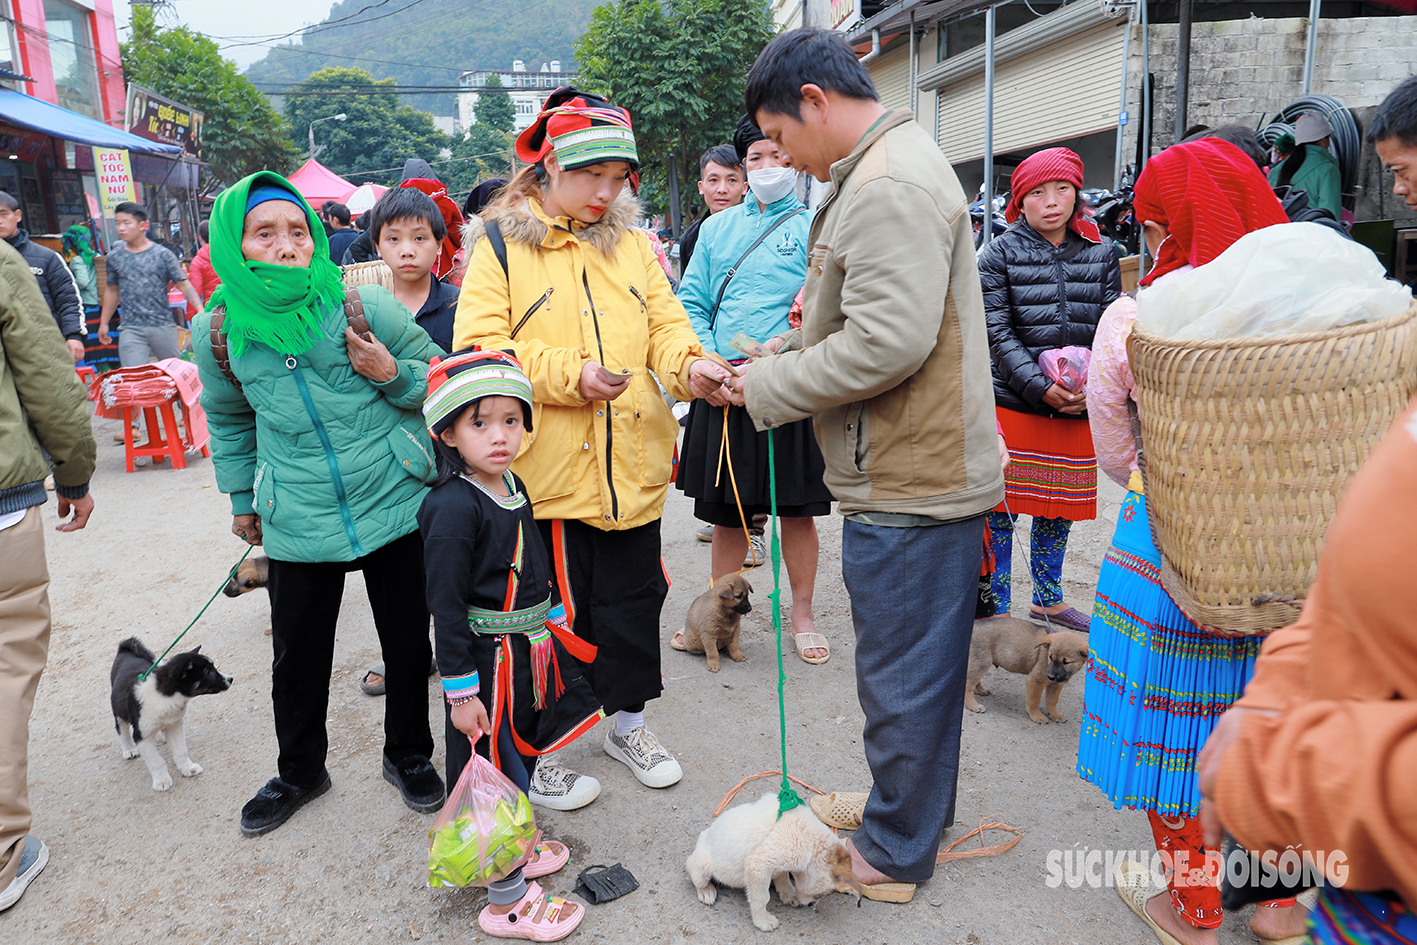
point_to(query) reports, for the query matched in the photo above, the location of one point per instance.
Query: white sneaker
(642, 753)
(557, 787)
(757, 552)
(33, 856)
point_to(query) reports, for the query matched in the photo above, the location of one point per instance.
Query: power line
(271, 38)
(321, 28)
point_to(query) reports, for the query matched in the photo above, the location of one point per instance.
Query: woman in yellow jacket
(566, 283)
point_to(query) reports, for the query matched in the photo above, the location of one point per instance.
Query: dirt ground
(133, 865)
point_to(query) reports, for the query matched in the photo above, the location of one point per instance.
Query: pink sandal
(534, 918)
(549, 857)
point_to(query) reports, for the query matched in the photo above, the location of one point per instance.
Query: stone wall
(1245, 71)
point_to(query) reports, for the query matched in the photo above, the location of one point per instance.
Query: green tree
(482, 153)
(378, 135)
(679, 66)
(241, 132)
(494, 106)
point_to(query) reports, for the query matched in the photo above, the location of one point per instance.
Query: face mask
(771, 184)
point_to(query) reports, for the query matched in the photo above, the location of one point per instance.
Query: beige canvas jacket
(895, 368)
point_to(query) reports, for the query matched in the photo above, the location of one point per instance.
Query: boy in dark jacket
(56, 282)
(407, 229)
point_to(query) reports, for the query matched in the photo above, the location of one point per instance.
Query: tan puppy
(750, 846)
(252, 574)
(1022, 646)
(715, 620)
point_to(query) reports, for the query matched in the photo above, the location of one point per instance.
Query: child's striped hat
(457, 381)
(582, 129)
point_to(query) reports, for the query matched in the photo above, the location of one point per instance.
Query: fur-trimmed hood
(522, 224)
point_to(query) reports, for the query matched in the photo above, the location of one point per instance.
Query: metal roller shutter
(891, 75)
(1063, 90)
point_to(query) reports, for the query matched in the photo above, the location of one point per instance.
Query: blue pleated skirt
(1157, 683)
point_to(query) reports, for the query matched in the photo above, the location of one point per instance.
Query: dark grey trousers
(912, 593)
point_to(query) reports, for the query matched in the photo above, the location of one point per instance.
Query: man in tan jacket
(895, 373)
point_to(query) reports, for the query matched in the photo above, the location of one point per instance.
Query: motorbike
(976, 216)
(1114, 216)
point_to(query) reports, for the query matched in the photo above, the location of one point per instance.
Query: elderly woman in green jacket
(317, 437)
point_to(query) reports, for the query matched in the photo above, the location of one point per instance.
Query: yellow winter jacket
(574, 293)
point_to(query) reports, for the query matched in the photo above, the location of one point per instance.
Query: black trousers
(305, 602)
(618, 588)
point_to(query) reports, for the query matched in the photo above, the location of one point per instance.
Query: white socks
(626, 721)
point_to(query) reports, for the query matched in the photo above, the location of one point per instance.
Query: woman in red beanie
(566, 282)
(1046, 281)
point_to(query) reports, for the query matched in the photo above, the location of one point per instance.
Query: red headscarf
(1208, 194)
(1041, 167)
(452, 219)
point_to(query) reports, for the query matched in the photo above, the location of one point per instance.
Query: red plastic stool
(86, 373)
(163, 442)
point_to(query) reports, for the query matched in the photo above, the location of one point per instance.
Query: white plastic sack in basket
(1285, 279)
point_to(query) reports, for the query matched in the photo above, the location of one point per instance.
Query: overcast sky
(239, 22)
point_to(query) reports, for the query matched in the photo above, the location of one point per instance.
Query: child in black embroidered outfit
(510, 667)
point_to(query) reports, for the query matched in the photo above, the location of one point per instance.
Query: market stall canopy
(317, 183)
(26, 111)
(363, 197)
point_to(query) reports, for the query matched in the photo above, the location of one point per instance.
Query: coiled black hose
(1347, 144)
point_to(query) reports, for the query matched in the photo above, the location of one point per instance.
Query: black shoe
(418, 782)
(274, 803)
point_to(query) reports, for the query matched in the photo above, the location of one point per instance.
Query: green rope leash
(787, 798)
(143, 677)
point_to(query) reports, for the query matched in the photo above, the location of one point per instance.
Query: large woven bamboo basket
(1246, 447)
(373, 272)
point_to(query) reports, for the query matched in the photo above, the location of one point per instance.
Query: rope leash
(143, 676)
(725, 458)
(1032, 577)
(786, 797)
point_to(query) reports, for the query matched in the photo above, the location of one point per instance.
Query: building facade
(528, 90)
(62, 92)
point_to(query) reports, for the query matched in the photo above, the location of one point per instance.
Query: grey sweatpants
(912, 652)
(139, 344)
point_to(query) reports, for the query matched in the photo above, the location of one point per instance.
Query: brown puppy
(1022, 646)
(715, 620)
(252, 574)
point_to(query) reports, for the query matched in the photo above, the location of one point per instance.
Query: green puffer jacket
(336, 488)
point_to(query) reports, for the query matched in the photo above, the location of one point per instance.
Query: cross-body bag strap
(733, 270)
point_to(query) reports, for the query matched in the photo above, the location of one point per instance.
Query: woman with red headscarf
(1046, 282)
(1159, 682)
(567, 283)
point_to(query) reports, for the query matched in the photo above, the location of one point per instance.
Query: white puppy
(749, 846)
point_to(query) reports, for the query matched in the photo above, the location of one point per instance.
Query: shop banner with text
(115, 177)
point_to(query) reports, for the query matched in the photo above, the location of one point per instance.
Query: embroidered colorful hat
(457, 381)
(581, 129)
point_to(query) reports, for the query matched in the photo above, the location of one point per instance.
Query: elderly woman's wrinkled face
(277, 232)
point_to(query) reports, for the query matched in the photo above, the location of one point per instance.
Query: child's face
(1049, 206)
(488, 434)
(409, 248)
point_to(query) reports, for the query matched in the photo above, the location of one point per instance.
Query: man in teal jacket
(44, 425)
(318, 439)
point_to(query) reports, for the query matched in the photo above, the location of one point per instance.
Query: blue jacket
(762, 291)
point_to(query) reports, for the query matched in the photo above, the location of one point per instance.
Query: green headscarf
(279, 306)
(79, 241)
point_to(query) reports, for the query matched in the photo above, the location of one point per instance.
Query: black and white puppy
(143, 708)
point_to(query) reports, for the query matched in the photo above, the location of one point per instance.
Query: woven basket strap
(220, 351)
(354, 313)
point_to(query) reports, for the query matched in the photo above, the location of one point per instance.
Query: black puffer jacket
(1039, 296)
